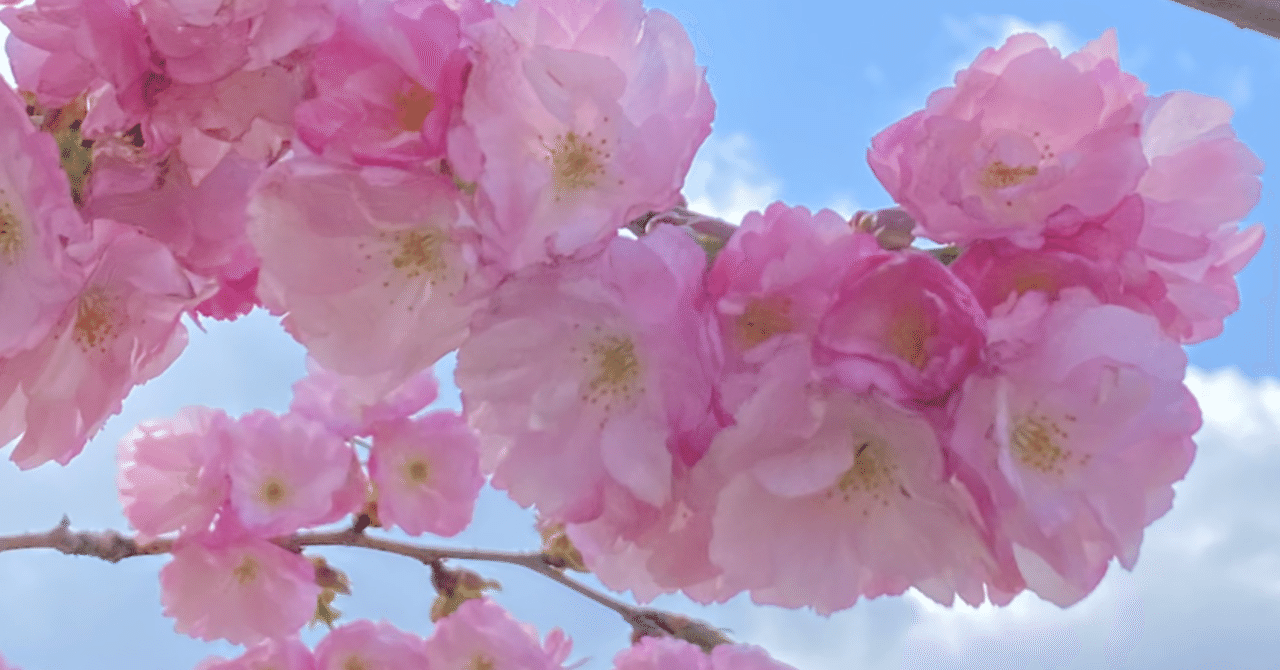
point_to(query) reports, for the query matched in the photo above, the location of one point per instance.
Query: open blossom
(120, 331)
(276, 654)
(238, 588)
(669, 653)
(427, 473)
(388, 83)
(288, 472)
(587, 375)
(368, 644)
(482, 634)
(902, 323)
(1076, 437)
(343, 404)
(1027, 143)
(173, 473)
(201, 42)
(369, 266)
(817, 477)
(38, 279)
(579, 117)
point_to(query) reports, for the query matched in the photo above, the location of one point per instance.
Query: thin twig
(114, 547)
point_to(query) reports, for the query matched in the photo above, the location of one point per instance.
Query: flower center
(11, 240)
(247, 572)
(419, 252)
(909, 333)
(1037, 443)
(480, 662)
(1002, 175)
(273, 492)
(871, 479)
(413, 106)
(762, 319)
(416, 472)
(613, 370)
(354, 663)
(576, 161)
(95, 325)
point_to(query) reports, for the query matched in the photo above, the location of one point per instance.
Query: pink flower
(837, 496)
(388, 84)
(288, 472)
(37, 277)
(588, 375)
(62, 48)
(1201, 182)
(365, 644)
(579, 117)
(370, 267)
(778, 273)
(201, 42)
(669, 653)
(427, 473)
(279, 654)
(1027, 143)
(662, 653)
(346, 407)
(122, 330)
(1076, 437)
(902, 323)
(481, 634)
(203, 225)
(173, 473)
(241, 589)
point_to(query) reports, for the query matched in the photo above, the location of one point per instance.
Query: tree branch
(1260, 15)
(114, 547)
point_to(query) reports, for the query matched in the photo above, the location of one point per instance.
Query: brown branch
(1260, 15)
(114, 547)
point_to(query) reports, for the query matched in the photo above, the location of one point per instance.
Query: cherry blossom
(612, 110)
(341, 403)
(173, 473)
(238, 588)
(481, 634)
(38, 279)
(366, 644)
(277, 654)
(1027, 143)
(427, 473)
(120, 331)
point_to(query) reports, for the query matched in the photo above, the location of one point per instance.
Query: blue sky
(801, 87)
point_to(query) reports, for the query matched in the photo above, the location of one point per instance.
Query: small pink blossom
(241, 589)
(122, 330)
(481, 634)
(1077, 438)
(173, 473)
(278, 654)
(366, 644)
(201, 42)
(427, 473)
(579, 117)
(388, 84)
(838, 479)
(587, 375)
(346, 407)
(370, 267)
(902, 323)
(1027, 143)
(669, 653)
(288, 472)
(37, 277)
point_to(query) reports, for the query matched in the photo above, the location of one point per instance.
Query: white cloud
(1205, 592)
(727, 179)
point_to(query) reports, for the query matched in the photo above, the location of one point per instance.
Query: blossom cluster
(800, 406)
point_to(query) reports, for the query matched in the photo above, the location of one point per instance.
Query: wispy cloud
(727, 179)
